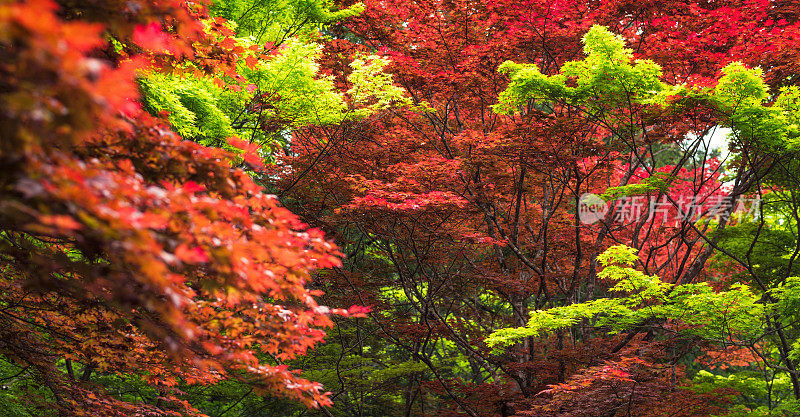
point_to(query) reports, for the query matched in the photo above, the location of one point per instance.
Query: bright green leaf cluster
(606, 79)
(609, 79)
(736, 314)
(192, 106)
(303, 97)
(372, 89)
(658, 181)
(277, 20)
(291, 93)
(742, 93)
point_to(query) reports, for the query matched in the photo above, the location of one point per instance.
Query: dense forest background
(399, 208)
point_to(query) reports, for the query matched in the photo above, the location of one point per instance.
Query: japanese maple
(458, 219)
(126, 249)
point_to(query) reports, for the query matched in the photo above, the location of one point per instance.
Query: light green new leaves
(736, 314)
(309, 99)
(372, 89)
(619, 254)
(658, 181)
(276, 20)
(192, 105)
(742, 93)
(296, 94)
(752, 389)
(608, 77)
(298, 97)
(787, 304)
(741, 85)
(279, 93)
(608, 81)
(302, 96)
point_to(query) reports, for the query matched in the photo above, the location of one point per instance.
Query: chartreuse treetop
(609, 78)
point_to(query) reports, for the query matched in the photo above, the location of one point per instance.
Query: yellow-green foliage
(372, 89)
(736, 314)
(192, 105)
(608, 76)
(742, 93)
(751, 388)
(304, 98)
(275, 20)
(294, 94)
(297, 95)
(659, 181)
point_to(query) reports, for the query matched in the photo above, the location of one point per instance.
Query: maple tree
(458, 220)
(127, 250)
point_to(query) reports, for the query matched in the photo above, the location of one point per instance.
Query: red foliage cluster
(468, 203)
(125, 248)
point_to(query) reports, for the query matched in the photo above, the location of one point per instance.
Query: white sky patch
(717, 138)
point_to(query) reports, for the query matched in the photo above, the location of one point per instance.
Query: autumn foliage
(126, 249)
(470, 215)
(446, 148)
